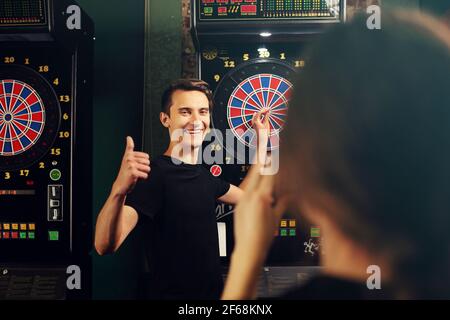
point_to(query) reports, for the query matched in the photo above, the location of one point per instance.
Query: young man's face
(189, 117)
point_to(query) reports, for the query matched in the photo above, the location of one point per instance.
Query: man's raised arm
(116, 220)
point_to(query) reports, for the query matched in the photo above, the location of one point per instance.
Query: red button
(14, 235)
(5, 235)
(222, 10)
(248, 9)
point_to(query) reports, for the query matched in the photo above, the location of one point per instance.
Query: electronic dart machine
(249, 52)
(46, 52)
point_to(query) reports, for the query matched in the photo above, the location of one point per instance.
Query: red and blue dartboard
(260, 84)
(261, 91)
(22, 117)
(29, 117)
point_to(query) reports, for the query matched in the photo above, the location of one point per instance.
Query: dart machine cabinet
(249, 52)
(46, 52)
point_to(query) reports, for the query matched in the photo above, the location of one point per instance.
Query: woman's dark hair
(185, 85)
(369, 127)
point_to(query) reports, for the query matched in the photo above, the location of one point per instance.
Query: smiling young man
(175, 199)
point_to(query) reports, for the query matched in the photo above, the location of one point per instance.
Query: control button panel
(17, 231)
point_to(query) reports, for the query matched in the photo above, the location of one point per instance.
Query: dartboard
(261, 91)
(260, 84)
(22, 117)
(29, 117)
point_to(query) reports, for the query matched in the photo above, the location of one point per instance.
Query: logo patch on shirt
(216, 170)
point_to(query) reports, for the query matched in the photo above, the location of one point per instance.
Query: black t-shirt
(176, 205)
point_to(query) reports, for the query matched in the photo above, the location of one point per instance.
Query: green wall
(438, 7)
(118, 110)
(163, 30)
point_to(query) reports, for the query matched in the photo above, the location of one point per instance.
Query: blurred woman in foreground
(365, 154)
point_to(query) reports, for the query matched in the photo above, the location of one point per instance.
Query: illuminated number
(56, 82)
(227, 160)
(64, 98)
(9, 59)
(282, 56)
(55, 151)
(264, 53)
(43, 68)
(65, 116)
(216, 147)
(64, 134)
(229, 64)
(27, 60)
(299, 63)
(41, 165)
(216, 77)
(245, 57)
(7, 176)
(24, 172)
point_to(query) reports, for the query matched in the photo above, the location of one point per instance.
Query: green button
(283, 232)
(208, 10)
(55, 174)
(53, 235)
(30, 235)
(292, 232)
(23, 235)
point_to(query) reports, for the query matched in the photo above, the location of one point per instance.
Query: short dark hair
(185, 85)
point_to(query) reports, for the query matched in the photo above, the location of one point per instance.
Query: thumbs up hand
(135, 165)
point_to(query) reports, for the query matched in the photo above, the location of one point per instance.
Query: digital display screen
(268, 9)
(22, 12)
